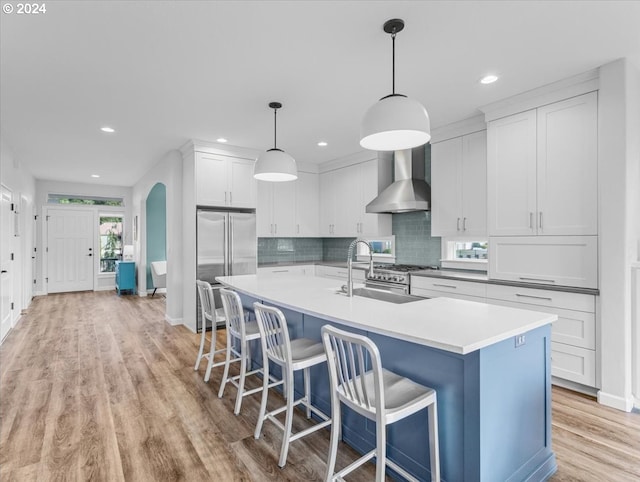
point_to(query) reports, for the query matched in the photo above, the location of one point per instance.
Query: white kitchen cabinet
(276, 209)
(307, 205)
(573, 335)
(298, 270)
(344, 194)
(459, 186)
(551, 260)
(224, 181)
(542, 170)
(340, 273)
(288, 209)
(428, 287)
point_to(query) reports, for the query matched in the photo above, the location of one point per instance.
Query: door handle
(464, 224)
(540, 219)
(4, 271)
(458, 224)
(89, 254)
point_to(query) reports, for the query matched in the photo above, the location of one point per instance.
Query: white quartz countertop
(457, 326)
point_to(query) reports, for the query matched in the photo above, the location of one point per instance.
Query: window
(110, 241)
(470, 250)
(87, 200)
(471, 255)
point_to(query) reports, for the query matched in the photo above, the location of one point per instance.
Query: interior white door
(6, 278)
(70, 256)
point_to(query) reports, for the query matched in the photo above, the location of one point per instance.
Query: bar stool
(378, 394)
(211, 315)
(240, 331)
(291, 356)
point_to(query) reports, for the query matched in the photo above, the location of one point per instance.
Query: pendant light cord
(393, 63)
(275, 121)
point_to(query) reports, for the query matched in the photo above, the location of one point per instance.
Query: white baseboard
(173, 321)
(576, 387)
(614, 401)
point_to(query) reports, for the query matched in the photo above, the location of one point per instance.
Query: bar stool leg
(225, 375)
(288, 421)
(243, 371)
(265, 392)
(381, 449)
(434, 454)
(307, 390)
(212, 350)
(333, 444)
(201, 349)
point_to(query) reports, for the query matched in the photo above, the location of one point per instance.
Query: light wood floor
(99, 387)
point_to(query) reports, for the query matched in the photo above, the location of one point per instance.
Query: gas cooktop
(402, 268)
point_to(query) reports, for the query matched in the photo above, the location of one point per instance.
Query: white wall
(618, 232)
(15, 177)
(633, 216)
(44, 188)
(167, 171)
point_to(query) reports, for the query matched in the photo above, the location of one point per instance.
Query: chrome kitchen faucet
(350, 263)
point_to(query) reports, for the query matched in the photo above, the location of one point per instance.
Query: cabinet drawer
(545, 298)
(574, 364)
(449, 286)
(339, 273)
(288, 270)
(572, 327)
(551, 260)
(442, 294)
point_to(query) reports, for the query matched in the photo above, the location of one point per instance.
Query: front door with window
(70, 256)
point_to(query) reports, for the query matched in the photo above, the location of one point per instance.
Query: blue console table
(125, 277)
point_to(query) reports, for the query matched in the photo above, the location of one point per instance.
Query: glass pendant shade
(394, 123)
(275, 165)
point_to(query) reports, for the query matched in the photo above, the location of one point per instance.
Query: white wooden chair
(210, 317)
(291, 356)
(378, 394)
(240, 331)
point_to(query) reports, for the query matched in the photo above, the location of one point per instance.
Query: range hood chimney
(409, 192)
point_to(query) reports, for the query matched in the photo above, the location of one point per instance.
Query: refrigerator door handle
(231, 238)
(225, 246)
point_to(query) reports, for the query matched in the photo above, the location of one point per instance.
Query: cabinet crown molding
(563, 89)
(460, 128)
(195, 145)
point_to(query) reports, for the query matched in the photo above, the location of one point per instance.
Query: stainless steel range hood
(409, 191)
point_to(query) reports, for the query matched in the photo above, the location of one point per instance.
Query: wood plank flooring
(99, 387)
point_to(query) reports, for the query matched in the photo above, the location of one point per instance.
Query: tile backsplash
(414, 244)
(278, 250)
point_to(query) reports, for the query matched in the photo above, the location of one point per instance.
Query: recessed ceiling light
(322, 144)
(221, 139)
(95, 175)
(110, 130)
(489, 79)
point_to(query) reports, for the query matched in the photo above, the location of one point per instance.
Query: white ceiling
(164, 72)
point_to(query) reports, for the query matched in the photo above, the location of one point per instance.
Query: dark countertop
(482, 277)
(453, 274)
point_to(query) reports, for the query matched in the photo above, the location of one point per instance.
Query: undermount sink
(382, 295)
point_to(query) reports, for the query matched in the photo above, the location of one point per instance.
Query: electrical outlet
(520, 340)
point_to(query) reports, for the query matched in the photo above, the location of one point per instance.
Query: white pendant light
(275, 165)
(395, 122)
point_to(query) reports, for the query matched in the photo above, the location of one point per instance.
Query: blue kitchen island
(490, 366)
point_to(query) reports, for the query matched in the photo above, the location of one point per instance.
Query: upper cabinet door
(446, 189)
(241, 184)
(211, 180)
(567, 167)
(284, 205)
(307, 204)
(264, 209)
(474, 185)
(511, 175)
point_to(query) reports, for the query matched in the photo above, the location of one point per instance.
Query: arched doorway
(156, 228)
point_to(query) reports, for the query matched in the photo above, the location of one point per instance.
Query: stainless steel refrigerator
(226, 245)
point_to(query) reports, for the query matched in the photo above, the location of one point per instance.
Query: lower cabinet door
(573, 363)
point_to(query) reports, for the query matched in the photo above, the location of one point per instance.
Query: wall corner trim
(614, 401)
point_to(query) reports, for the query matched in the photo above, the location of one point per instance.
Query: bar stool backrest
(349, 357)
(274, 333)
(207, 303)
(234, 312)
